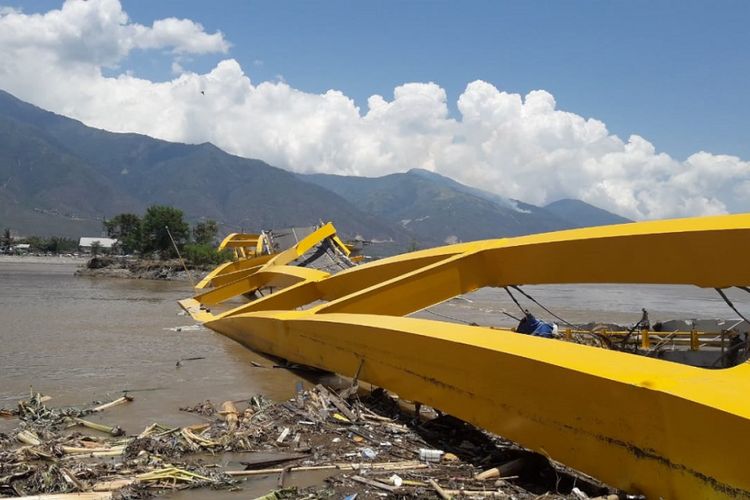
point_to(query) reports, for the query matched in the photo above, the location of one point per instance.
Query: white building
(84, 244)
(21, 248)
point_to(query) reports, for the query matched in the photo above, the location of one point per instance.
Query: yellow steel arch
(249, 258)
(641, 424)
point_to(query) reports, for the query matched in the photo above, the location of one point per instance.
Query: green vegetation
(7, 241)
(55, 244)
(203, 255)
(204, 233)
(146, 236)
(149, 235)
(96, 248)
(159, 222)
(126, 229)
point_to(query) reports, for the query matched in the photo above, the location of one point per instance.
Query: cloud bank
(517, 146)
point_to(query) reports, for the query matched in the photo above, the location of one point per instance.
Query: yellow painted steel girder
(232, 271)
(640, 424)
(241, 240)
(249, 263)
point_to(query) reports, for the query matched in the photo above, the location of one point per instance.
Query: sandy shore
(34, 259)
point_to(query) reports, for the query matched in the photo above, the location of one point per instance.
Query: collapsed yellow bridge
(640, 424)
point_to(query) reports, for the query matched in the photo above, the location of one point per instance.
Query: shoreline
(133, 268)
(42, 259)
(115, 268)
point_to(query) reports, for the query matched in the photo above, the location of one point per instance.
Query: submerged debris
(369, 447)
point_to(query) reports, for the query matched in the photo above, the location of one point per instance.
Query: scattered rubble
(134, 268)
(369, 447)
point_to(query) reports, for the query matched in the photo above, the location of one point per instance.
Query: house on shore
(85, 243)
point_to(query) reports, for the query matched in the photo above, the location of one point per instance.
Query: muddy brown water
(83, 339)
(80, 339)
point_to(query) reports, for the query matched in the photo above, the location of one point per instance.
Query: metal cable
(730, 304)
(514, 300)
(540, 305)
(470, 323)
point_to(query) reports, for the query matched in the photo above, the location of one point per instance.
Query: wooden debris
(283, 435)
(337, 402)
(70, 496)
(113, 485)
(507, 469)
(376, 484)
(440, 491)
(28, 437)
(488, 474)
(343, 439)
(112, 404)
(482, 494)
(98, 452)
(385, 466)
(265, 461)
(230, 414)
(111, 430)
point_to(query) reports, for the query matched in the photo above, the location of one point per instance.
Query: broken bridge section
(641, 424)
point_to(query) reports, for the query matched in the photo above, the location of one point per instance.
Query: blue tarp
(529, 325)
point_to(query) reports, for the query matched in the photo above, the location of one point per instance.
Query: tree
(204, 233)
(204, 255)
(36, 243)
(127, 230)
(59, 244)
(7, 241)
(96, 248)
(155, 236)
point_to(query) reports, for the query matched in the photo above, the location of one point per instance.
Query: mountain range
(60, 177)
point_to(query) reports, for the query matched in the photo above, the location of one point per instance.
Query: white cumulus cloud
(516, 146)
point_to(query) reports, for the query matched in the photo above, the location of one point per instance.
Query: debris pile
(125, 267)
(359, 447)
(48, 453)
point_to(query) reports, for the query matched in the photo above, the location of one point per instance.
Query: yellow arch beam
(640, 424)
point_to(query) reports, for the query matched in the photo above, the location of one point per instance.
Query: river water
(80, 339)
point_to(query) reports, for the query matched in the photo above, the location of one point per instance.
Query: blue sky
(677, 73)
(663, 77)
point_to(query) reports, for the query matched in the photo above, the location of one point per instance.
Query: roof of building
(104, 242)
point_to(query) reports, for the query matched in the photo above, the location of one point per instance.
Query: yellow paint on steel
(341, 245)
(253, 263)
(339, 285)
(641, 424)
(276, 276)
(235, 240)
(305, 244)
(227, 277)
(230, 277)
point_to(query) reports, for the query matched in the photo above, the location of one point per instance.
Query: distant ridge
(437, 209)
(580, 214)
(60, 177)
